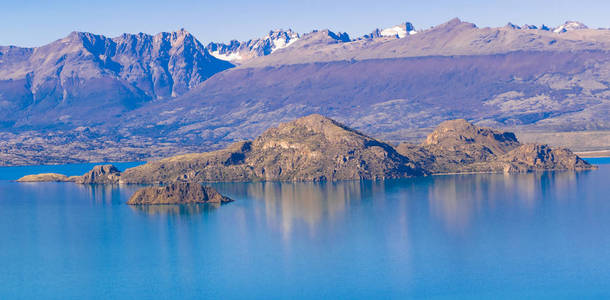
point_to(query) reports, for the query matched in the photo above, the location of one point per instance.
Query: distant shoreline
(593, 154)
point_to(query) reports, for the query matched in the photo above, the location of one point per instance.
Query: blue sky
(37, 22)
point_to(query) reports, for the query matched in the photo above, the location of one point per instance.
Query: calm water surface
(538, 235)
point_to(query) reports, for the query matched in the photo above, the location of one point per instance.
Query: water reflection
(106, 193)
(456, 200)
(453, 201)
(285, 204)
(175, 210)
(120, 193)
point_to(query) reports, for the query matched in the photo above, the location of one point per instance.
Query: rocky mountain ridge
(237, 52)
(454, 37)
(92, 72)
(95, 100)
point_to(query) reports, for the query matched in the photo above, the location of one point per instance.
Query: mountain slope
(84, 75)
(386, 97)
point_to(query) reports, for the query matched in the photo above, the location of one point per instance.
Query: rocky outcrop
(458, 146)
(177, 193)
(311, 148)
(44, 177)
(464, 137)
(542, 157)
(102, 174)
(456, 143)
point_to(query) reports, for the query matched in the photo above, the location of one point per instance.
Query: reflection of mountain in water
(311, 203)
(107, 193)
(456, 200)
(175, 210)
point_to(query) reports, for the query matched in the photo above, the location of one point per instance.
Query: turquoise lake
(491, 236)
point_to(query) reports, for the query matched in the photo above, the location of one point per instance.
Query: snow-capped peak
(282, 39)
(570, 25)
(237, 51)
(399, 31)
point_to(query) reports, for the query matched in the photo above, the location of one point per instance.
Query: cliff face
(177, 193)
(99, 174)
(312, 148)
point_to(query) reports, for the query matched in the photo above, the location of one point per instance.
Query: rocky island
(316, 148)
(101, 174)
(177, 193)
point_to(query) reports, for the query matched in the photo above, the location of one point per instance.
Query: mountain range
(87, 97)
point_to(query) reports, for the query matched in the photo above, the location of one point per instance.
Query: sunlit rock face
(459, 146)
(312, 148)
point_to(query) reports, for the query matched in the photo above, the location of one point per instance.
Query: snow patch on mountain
(237, 51)
(394, 31)
(569, 26)
(230, 56)
(398, 31)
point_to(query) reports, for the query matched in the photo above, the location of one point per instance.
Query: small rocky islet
(177, 193)
(316, 148)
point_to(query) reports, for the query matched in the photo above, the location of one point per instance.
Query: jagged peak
(527, 26)
(327, 33)
(278, 32)
(237, 51)
(175, 37)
